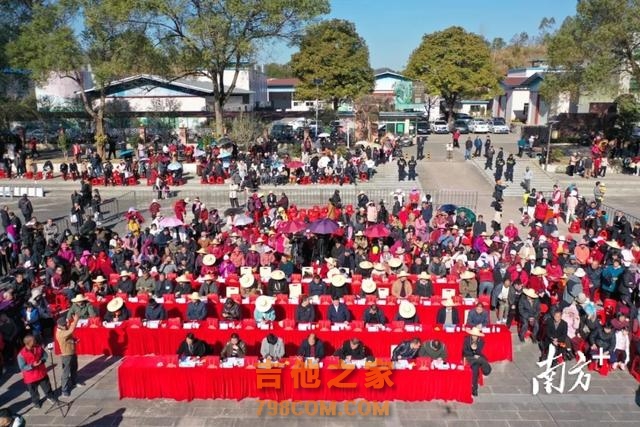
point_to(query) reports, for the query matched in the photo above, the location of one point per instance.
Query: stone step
(541, 181)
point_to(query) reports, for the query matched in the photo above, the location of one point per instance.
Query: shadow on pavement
(113, 419)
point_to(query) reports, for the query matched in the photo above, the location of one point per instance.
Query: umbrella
(295, 164)
(293, 226)
(233, 211)
(170, 222)
(449, 209)
(241, 220)
(323, 162)
(224, 155)
(323, 226)
(224, 142)
(468, 213)
(323, 135)
(376, 231)
(198, 152)
(174, 166)
(125, 153)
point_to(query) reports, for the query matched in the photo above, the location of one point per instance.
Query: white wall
(385, 84)
(58, 91)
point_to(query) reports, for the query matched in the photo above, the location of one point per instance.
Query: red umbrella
(376, 231)
(295, 164)
(293, 226)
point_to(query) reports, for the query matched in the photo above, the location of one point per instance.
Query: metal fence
(610, 210)
(112, 210)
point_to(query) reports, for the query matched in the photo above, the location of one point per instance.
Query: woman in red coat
(180, 208)
(154, 208)
(540, 213)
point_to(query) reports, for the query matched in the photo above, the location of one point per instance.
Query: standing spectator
(24, 204)
(456, 138)
(510, 166)
(488, 154)
(32, 362)
(473, 355)
(67, 343)
(526, 179)
(468, 146)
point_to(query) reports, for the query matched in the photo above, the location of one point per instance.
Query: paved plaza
(505, 399)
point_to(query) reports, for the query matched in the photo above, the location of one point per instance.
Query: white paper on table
(133, 299)
(372, 328)
(315, 299)
(264, 326)
(304, 326)
(486, 330)
(83, 322)
(382, 302)
(426, 302)
(402, 364)
(153, 324)
(111, 325)
(410, 328)
(469, 301)
(160, 300)
(358, 363)
(223, 326)
(449, 328)
(335, 327)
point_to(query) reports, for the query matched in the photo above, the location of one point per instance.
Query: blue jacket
(340, 315)
(196, 311)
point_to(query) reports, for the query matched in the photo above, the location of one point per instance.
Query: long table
(143, 378)
(133, 341)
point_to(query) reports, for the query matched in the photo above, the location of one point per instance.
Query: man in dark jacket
(374, 316)
(24, 204)
(556, 334)
(351, 350)
(447, 315)
(305, 312)
(529, 309)
(406, 350)
(155, 311)
(603, 338)
(192, 347)
(311, 347)
(337, 312)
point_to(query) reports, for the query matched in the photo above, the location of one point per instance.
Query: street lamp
(317, 82)
(546, 160)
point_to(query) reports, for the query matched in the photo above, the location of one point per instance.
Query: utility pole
(317, 82)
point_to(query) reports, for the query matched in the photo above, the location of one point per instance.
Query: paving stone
(534, 415)
(191, 422)
(568, 415)
(516, 423)
(461, 423)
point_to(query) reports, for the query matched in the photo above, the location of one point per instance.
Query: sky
(394, 28)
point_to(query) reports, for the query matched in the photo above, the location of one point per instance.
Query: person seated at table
(468, 284)
(447, 315)
(125, 284)
(407, 313)
(183, 286)
(402, 288)
(406, 350)
(145, 283)
(81, 307)
(424, 287)
(264, 311)
(436, 267)
(338, 286)
(196, 309)
(101, 287)
(163, 286)
(472, 353)
(272, 348)
(208, 286)
(478, 317)
(277, 284)
(317, 286)
(529, 311)
(231, 310)
(305, 312)
(374, 316)
(338, 312)
(235, 347)
(434, 349)
(311, 347)
(116, 311)
(352, 349)
(369, 287)
(192, 347)
(155, 311)
(249, 286)
(365, 268)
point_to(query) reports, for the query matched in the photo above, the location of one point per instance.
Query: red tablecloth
(164, 341)
(141, 378)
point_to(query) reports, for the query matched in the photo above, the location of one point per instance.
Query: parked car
(282, 132)
(479, 126)
(422, 128)
(461, 126)
(439, 126)
(498, 125)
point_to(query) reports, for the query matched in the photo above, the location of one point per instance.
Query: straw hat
(99, 279)
(488, 242)
(359, 234)
(407, 310)
(613, 244)
(530, 293)
(403, 274)
(338, 280)
(467, 275)
(202, 251)
(247, 280)
(209, 260)
(424, 276)
(79, 298)
(206, 278)
(331, 261)
(378, 266)
(263, 303)
(253, 248)
(368, 286)
(366, 265)
(400, 251)
(539, 271)
(182, 279)
(580, 273)
(277, 275)
(124, 273)
(115, 304)
(448, 303)
(334, 271)
(395, 262)
(194, 296)
(475, 331)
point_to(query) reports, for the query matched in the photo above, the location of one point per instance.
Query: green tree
(593, 48)
(243, 130)
(456, 64)
(278, 71)
(206, 37)
(628, 114)
(109, 42)
(333, 55)
(63, 144)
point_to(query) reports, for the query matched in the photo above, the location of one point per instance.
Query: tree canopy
(593, 48)
(333, 54)
(454, 63)
(206, 37)
(108, 42)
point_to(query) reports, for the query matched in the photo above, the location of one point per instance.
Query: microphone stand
(58, 404)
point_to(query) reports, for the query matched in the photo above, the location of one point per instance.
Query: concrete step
(541, 180)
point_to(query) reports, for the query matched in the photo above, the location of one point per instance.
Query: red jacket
(36, 373)
(154, 208)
